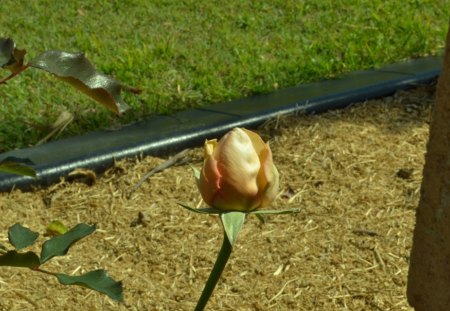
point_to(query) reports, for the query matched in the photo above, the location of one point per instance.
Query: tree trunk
(429, 270)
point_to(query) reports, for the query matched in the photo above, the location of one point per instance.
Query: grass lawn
(196, 53)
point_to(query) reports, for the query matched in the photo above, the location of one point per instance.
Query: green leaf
(23, 260)
(21, 237)
(17, 166)
(232, 224)
(60, 244)
(97, 280)
(6, 51)
(208, 210)
(10, 57)
(76, 70)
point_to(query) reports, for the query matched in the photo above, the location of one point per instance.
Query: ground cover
(354, 173)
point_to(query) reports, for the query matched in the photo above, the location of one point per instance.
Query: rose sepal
(232, 223)
(213, 210)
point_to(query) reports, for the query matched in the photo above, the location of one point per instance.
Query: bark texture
(429, 271)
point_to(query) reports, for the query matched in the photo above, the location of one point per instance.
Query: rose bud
(238, 173)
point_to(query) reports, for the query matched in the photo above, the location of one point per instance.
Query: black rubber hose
(161, 135)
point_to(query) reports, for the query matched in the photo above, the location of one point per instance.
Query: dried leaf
(76, 69)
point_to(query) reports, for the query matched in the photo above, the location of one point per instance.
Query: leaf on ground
(10, 57)
(232, 224)
(59, 245)
(55, 228)
(17, 166)
(75, 69)
(23, 260)
(21, 237)
(97, 280)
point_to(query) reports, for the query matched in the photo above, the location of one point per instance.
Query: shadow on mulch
(354, 174)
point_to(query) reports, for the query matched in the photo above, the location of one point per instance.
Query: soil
(355, 175)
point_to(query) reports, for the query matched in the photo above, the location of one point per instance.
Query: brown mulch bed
(354, 174)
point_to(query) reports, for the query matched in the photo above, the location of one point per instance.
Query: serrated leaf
(10, 57)
(17, 166)
(60, 244)
(97, 280)
(75, 68)
(21, 237)
(23, 260)
(232, 224)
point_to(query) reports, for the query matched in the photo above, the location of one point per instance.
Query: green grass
(195, 53)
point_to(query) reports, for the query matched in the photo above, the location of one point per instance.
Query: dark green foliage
(60, 244)
(24, 260)
(97, 280)
(21, 237)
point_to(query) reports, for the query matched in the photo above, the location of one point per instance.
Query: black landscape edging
(160, 135)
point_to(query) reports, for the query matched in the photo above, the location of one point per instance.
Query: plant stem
(221, 261)
(13, 74)
(43, 271)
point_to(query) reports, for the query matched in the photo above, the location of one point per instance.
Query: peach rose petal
(238, 162)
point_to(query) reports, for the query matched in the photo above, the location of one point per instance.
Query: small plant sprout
(238, 177)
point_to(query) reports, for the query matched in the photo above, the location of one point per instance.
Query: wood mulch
(354, 173)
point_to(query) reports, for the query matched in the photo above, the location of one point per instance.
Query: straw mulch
(354, 174)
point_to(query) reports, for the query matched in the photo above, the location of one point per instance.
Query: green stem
(221, 261)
